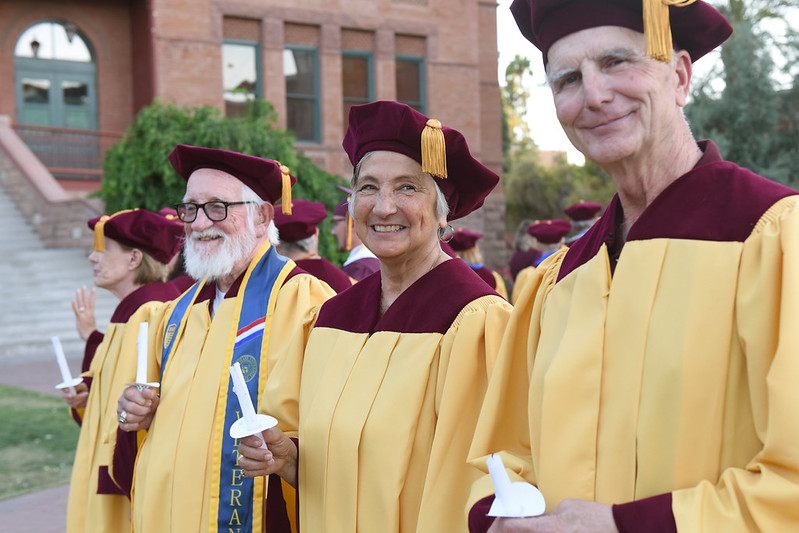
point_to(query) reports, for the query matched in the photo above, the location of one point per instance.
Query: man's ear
(683, 73)
(264, 215)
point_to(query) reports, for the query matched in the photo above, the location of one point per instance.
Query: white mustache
(208, 233)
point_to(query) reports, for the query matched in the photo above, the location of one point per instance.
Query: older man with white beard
(187, 472)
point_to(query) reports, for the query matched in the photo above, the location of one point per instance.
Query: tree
(137, 172)
(515, 96)
(752, 119)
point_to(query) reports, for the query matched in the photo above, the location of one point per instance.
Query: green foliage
(137, 172)
(514, 99)
(37, 444)
(535, 191)
(752, 119)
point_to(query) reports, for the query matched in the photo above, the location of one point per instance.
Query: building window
(357, 80)
(410, 81)
(240, 75)
(301, 69)
(53, 40)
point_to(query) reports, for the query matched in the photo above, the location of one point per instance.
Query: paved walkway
(44, 511)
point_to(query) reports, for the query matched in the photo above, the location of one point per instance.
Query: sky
(544, 126)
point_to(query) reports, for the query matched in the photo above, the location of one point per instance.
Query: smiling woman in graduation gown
(395, 367)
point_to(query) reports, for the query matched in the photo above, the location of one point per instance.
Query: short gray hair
(442, 207)
(249, 195)
(306, 245)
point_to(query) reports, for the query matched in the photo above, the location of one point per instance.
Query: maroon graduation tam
(442, 151)
(302, 221)
(150, 232)
(697, 28)
(549, 231)
(582, 210)
(341, 209)
(171, 214)
(270, 180)
(464, 239)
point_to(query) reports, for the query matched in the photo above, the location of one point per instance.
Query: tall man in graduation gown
(648, 377)
(244, 310)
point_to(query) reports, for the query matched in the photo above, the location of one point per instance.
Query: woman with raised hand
(132, 250)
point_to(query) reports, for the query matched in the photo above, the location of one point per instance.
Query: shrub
(137, 172)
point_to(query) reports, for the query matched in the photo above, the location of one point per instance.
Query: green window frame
(302, 93)
(404, 92)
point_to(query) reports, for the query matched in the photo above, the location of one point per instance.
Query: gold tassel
(434, 149)
(286, 196)
(349, 231)
(657, 27)
(99, 229)
(99, 234)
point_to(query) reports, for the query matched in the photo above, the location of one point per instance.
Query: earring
(445, 234)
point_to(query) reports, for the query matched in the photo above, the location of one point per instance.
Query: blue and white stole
(237, 502)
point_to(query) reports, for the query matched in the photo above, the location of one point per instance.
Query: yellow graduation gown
(388, 404)
(172, 484)
(676, 374)
(522, 277)
(113, 365)
(500, 288)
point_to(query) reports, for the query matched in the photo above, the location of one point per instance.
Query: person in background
(464, 244)
(243, 310)
(361, 262)
(550, 236)
(299, 241)
(177, 267)
(394, 366)
(647, 380)
(583, 215)
(524, 251)
(132, 249)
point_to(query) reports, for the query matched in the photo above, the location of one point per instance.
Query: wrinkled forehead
(591, 43)
(385, 163)
(210, 183)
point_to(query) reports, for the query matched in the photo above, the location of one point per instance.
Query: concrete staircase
(38, 286)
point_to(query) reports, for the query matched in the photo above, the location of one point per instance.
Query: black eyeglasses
(216, 211)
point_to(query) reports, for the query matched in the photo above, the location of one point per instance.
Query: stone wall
(58, 217)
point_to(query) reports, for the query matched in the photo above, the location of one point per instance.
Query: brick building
(87, 66)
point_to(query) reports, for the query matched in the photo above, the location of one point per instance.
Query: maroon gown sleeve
(276, 519)
(652, 515)
(124, 460)
(479, 521)
(94, 340)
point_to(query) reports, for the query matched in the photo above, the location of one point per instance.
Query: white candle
(240, 388)
(141, 344)
(502, 485)
(66, 377)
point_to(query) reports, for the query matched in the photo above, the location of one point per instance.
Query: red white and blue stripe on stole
(244, 334)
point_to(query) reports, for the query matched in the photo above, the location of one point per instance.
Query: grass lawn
(37, 442)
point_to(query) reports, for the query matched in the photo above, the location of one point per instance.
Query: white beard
(217, 265)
